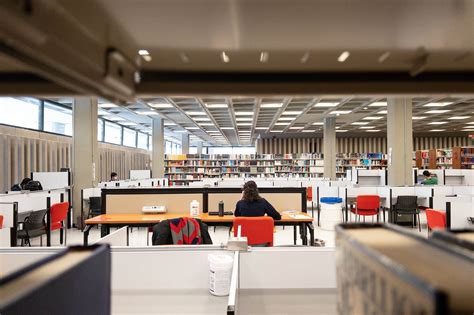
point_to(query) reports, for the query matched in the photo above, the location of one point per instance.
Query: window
(100, 130)
(22, 112)
(142, 141)
(168, 147)
(129, 137)
(193, 150)
(57, 119)
(150, 143)
(113, 133)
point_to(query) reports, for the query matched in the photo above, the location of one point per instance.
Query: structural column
(158, 151)
(199, 148)
(184, 143)
(85, 162)
(329, 147)
(400, 141)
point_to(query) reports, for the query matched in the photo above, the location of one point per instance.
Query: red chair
(1, 221)
(309, 197)
(435, 219)
(258, 230)
(367, 205)
(58, 215)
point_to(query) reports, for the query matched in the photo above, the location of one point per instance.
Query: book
(73, 281)
(385, 269)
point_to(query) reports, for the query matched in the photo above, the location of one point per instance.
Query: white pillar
(199, 147)
(400, 141)
(329, 147)
(184, 143)
(158, 152)
(85, 162)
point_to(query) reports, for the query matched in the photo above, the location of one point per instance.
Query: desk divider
(233, 302)
(116, 238)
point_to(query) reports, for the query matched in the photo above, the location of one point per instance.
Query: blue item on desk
(330, 200)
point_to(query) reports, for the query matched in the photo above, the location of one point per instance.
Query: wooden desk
(148, 220)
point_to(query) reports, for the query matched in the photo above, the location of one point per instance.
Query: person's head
(113, 176)
(250, 191)
(427, 174)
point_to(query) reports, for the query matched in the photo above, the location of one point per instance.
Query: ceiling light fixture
(305, 57)
(271, 105)
(438, 111)
(318, 124)
(225, 58)
(326, 104)
(196, 113)
(459, 117)
(287, 118)
(383, 57)
(367, 127)
(244, 119)
(437, 123)
(359, 123)
(147, 113)
(216, 105)
(264, 56)
(418, 117)
(343, 57)
(107, 105)
(184, 57)
(160, 105)
(143, 52)
(201, 119)
(438, 104)
(244, 124)
(341, 130)
(282, 124)
(372, 118)
(378, 104)
(206, 124)
(308, 130)
(438, 130)
(296, 128)
(227, 128)
(373, 130)
(243, 113)
(382, 112)
(292, 113)
(341, 112)
(261, 128)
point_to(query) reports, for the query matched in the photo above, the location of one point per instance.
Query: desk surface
(119, 218)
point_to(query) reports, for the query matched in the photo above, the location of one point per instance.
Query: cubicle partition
(140, 174)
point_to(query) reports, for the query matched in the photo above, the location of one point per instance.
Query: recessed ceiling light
(128, 123)
(367, 127)
(216, 105)
(382, 112)
(459, 117)
(147, 113)
(282, 123)
(468, 130)
(184, 57)
(160, 105)
(296, 128)
(373, 130)
(169, 124)
(418, 117)
(286, 118)
(437, 123)
(372, 118)
(143, 52)
(245, 131)
(343, 57)
(438, 104)
(227, 128)
(107, 105)
(318, 123)
(196, 113)
(225, 58)
(244, 119)
(308, 130)
(147, 58)
(383, 57)
(438, 111)
(341, 112)
(214, 131)
(193, 128)
(264, 56)
(244, 124)
(201, 119)
(181, 131)
(261, 128)
(292, 113)
(326, 104)
(276, 130)
(378, 104)
(341, 130)
(470, 123)
(271, 105)
(243, 113)
(359, 123)
(438, 130)
(305, 57)
(206, 124)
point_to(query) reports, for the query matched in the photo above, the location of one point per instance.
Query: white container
(220, 274)
(194, 208)
(331, 215)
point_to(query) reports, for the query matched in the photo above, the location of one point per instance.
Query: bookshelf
(463, 157)
(184, 168)
(444, 158)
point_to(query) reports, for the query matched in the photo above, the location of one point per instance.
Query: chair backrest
(407, 202)
(368, 202)
(35, 220)
(435, 219)
(258, 230)
(309, 193)
(95, 203)
(1, 221)
(59, 211)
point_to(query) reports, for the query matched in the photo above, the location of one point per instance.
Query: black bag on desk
(33, 185)
(16, 187)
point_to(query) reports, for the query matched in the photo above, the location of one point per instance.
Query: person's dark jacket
(256, 208)
(162, 233)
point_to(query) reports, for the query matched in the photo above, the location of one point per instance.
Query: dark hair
(426, 173)
(113, 174)
(250, 191)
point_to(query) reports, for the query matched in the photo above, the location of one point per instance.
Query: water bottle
(221, 208)
(194, 208)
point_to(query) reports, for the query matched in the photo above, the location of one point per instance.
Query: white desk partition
(140, 174)
(6, 210)
(288, 267)
(33, 201)
(443, 190)
(116, 238)
(384, 193)
(461, 209)
(91, 192)
(353, 192)
(231, 183)
(463, 190)
(328, 192)
(52, 180)
(439, 202)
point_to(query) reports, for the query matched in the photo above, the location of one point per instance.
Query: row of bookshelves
(456, 158)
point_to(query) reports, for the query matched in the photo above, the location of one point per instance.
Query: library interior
(237, 157)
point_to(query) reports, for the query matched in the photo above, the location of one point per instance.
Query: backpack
(33, 185)
(16, 187)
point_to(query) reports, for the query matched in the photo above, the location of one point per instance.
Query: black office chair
(33, 226)
(95, 205)
(407, 205)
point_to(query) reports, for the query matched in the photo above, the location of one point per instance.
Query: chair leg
(61, 236)
(41, 240)
(419, 222)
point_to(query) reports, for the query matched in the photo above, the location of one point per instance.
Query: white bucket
(331, 215)
(220, 273)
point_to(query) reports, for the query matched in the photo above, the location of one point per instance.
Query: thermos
(221, 208)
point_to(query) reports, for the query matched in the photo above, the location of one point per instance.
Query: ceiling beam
(232, 118)
(256, 112)
(286, 101)
(204, 108)
(305, 110)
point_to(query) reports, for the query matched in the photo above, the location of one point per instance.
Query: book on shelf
(76, 280)
(387, 270)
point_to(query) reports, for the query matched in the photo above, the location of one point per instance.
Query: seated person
(181, 231)
(113, 177)
(252, 205)
(429, 179)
